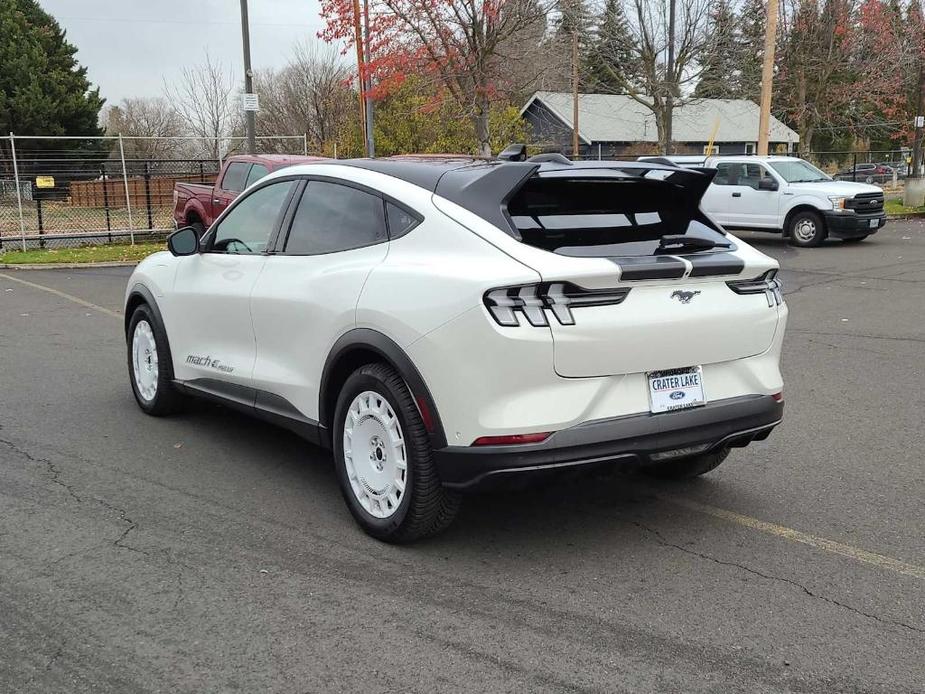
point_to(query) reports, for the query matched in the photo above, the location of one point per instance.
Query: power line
(131, 20)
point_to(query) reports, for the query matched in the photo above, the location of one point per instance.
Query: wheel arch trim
(367, 339)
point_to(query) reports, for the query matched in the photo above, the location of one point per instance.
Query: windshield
(798, 171)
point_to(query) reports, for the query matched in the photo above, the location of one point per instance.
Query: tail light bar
(533, 300)
(766, 284)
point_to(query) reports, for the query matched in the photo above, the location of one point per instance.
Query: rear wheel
(149, 364)
(806, 229)
(685, 468)
(199, 227)
(384, 459)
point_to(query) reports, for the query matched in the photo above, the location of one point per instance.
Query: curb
(907, 215)
(66, 266)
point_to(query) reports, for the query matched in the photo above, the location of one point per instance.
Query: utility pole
(919, 129)
(370, 139)
(575, 89)
(250, 119)
(361, 72)
(767, 79)
(670, 79)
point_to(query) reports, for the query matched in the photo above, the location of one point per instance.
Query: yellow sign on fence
(44, 181)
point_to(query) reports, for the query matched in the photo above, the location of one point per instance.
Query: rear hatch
(645, 274)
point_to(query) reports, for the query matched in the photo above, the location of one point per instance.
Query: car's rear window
(612, 216)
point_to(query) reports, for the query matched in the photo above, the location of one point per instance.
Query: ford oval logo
(677, 395)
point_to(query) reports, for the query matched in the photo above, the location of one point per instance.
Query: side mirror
(767, 183)
(183, 241)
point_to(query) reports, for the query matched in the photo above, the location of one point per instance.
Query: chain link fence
(58, 192)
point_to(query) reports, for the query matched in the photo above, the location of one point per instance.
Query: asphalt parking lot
(209, 552)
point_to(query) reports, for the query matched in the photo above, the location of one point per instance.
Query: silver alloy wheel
(144, 360)
(805, 229)
(375, 454)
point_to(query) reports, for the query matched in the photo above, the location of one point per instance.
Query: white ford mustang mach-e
(440, 323)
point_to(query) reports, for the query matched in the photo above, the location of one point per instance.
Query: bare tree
(205, 97)
(148, 118)
(666, 42)
(310, 95)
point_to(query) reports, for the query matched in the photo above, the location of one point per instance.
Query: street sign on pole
(920, 121)
(250, 102)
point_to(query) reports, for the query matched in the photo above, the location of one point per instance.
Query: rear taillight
(766, 284)
(533, 300)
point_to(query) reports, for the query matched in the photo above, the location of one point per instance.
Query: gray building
(616, 125)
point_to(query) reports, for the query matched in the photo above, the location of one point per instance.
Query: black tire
(425, 508)
(166, 399)
(200, 229)
(856, 239)
(686, 468)
(806, 229)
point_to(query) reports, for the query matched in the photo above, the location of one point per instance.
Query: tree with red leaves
(461, 47)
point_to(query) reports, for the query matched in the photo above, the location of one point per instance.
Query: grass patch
(111, 252)
(895, 206)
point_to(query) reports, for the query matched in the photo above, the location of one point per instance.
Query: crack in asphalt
(660, 539)
(55, 474)
(49, 467)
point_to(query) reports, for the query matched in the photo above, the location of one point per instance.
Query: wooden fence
(143, 191)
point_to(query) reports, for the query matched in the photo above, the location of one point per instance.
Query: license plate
(874, 223)
(676, 389)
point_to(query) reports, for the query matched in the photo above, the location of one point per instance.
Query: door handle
(737, 195)
(216, 201)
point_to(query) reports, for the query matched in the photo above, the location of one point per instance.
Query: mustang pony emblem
(684, 297)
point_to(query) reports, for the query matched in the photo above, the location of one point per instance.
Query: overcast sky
(129, 47)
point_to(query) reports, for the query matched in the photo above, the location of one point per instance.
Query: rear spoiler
(486, 190)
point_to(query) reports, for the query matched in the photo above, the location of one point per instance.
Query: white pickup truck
(786, 195)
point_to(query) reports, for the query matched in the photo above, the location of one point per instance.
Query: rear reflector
(778, 397)
(512, 439)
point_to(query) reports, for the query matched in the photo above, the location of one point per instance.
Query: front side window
(333, 217)
(235, 177)
(798, 171)
(247, 227)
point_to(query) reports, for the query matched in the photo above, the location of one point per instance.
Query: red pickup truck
(197, 205)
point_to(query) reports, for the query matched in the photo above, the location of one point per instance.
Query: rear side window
(235, 177)
(401, 221)
(333, 217)
(257, 172)
(605, 216)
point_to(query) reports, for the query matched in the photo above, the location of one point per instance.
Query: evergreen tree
(610, 62)
(753, 19)
(43, 90)
(721, 63)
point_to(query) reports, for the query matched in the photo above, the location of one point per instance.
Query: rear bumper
(844, 225)
(632, 439)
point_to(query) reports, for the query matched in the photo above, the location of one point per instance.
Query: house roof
(620, 118)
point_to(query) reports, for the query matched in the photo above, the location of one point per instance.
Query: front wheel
(149, 364)
(384, 460)
(686, 468)
(806, 229)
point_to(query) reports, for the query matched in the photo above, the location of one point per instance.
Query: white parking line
(63, 295)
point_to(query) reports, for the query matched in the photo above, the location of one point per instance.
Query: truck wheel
(150, 366)
(200, 229)
(384, 461)
(685, 468)
(806, 229)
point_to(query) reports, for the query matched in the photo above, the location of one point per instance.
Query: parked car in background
(197, 205)
(787, 195)
(866, 173)
(900, 167)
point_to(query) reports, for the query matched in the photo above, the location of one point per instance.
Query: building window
(749, 147)
(710, 151)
